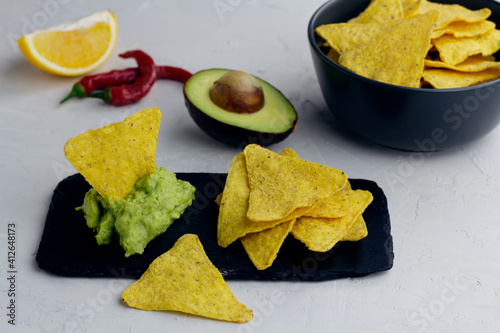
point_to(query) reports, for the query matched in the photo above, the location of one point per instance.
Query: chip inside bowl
(384, 45)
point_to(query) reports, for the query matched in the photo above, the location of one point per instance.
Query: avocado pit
(237, 91)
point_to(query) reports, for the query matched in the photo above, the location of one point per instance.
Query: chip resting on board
(263, 247)
(321, 234)
(184, 279)
(280, 185)
(232, 222)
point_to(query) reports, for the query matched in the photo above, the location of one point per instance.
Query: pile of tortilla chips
(417, 43)
(184, 279)
(268, 196)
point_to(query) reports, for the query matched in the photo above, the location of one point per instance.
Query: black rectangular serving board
(68, 247)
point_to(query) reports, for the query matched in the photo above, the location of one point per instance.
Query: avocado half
(271, 124)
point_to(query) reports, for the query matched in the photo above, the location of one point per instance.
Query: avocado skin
(233, 135)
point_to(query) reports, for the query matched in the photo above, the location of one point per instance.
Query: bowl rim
(328, 61)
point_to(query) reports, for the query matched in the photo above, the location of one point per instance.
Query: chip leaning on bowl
(417, 43)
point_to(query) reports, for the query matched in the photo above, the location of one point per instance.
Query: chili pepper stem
(77, 91)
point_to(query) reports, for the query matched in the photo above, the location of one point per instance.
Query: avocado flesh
(276, 116)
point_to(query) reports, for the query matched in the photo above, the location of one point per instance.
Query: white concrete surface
(445, 207)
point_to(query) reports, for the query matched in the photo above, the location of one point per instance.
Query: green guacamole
(154, 203)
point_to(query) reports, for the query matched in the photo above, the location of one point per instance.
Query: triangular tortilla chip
(279, 185)
(321, 234)
(396, 55)
(446, 78)
(473, 63)
(453, 50)
(449, 13)
(343, 37)
(263, 247)
(113, 158)
(328, 207)
(464, 29)
(357, 231)
(183, 279)
(380, 11)
(233, 223)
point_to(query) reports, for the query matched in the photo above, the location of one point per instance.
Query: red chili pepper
(90, 83)
(134, 92)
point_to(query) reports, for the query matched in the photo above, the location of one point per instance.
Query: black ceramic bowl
(413, 119)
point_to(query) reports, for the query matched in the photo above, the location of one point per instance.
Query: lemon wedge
(73, 48)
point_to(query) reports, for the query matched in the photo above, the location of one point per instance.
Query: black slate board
(68, 247)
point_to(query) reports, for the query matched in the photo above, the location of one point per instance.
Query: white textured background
(445, 207)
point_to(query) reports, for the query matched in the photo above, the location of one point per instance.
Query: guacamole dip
(154, 203)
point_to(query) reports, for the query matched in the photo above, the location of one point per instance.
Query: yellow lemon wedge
(73, 48)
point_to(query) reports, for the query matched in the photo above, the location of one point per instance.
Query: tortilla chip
(233, 223)
(453, 50)
(475, 63)
(395, 56)
(464, 29)
(263, 247)
(321, 234)
(410, 7)
(446, 78)
(289, 152)
(329, 206)
(451, 13)
(333, 55)
(380, 11)
(357, 231)
(218, 199)
(281, 184)
(113, 158)
(183, 279)
(343, 37)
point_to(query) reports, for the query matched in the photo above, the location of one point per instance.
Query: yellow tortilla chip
(289, 152)
(218, 199)
(281, 184)
(329, 207)
(453, 50)
(357, 231)
(395, 56)
(263, 247)
(343, 37)
(183, 279)
(380, 11)
(333, 55)
(446, 78)
(113, 158)
(473, 63)
(451, 13)
(232, 222)
(321, 234)
(410, 7)
(464, 29)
